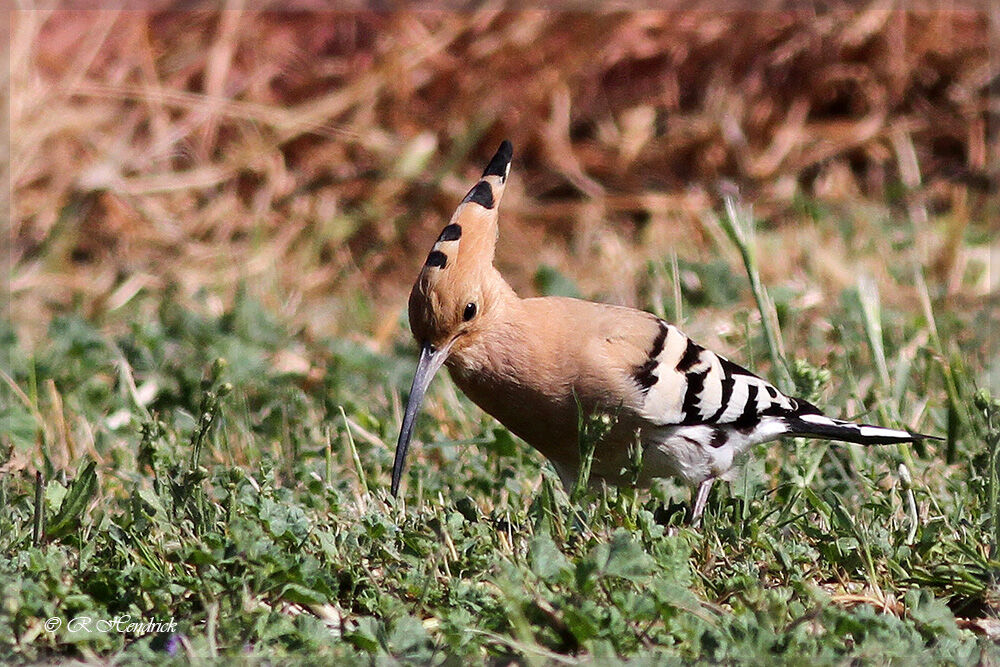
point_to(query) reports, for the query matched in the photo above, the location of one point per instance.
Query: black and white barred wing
(717, 402)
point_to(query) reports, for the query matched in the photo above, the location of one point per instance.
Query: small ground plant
(227, 475)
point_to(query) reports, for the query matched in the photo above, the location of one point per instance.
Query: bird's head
(457, 290)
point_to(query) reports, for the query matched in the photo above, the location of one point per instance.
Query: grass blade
(80, 493)
(738, 222)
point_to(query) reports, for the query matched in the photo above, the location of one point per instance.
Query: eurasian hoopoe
(535, 363)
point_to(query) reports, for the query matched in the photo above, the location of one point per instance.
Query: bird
(537, 364)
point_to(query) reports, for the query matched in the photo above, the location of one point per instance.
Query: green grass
(246, 500)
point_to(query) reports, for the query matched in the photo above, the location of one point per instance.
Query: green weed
(246, 501)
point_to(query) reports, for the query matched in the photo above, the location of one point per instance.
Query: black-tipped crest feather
(500, 162)
(481, 194)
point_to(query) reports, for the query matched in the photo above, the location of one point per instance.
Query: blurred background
(311, 158)
(259, 187)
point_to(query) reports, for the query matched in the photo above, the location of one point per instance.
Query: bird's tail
(828, 428)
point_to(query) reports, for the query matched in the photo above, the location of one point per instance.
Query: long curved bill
(430, 362)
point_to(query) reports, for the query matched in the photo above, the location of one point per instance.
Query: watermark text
(124, 624)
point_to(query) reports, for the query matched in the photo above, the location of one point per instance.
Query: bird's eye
(470, 311)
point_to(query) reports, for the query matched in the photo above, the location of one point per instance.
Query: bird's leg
(700, 500)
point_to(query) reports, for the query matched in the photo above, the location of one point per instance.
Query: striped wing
(685, 384)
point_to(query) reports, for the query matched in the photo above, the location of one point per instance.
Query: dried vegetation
(309, 155)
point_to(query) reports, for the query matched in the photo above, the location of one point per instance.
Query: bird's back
(693, 411)
(550, 357)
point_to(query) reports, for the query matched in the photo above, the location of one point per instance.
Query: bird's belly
(549, 422)
(670, 455)
(547, 419)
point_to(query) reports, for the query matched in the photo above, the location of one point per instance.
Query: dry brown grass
(314, 156)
